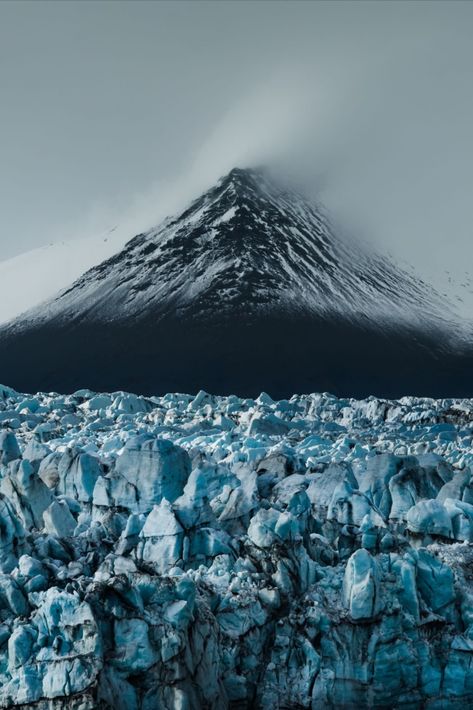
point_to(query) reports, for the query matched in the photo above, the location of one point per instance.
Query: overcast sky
(115, 112)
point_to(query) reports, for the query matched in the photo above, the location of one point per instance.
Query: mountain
(248, 289)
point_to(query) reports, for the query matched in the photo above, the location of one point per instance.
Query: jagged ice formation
(216, 552)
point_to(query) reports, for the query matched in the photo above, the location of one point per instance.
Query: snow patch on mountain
(32, 277)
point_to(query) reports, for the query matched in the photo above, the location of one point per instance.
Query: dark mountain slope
(247, 290)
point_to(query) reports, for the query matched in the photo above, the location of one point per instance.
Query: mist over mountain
(247, 289)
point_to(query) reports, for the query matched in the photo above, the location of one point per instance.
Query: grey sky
(103, 105)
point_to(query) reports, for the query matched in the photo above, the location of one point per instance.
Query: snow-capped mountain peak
(248, 245)
(250, 288)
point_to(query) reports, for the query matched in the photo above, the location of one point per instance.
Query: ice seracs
(220, 552)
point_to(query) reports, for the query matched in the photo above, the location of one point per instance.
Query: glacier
(184, 552)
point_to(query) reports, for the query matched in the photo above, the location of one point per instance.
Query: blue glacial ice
(185, 552)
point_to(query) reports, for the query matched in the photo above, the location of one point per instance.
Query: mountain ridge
(224, 232)
(222, 297)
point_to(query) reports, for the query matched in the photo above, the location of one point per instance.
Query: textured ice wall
(206, 552)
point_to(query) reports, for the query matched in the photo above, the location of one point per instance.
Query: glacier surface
(184, 552)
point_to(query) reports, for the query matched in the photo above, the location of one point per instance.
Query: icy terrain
(216, 552)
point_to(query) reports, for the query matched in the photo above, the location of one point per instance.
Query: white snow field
(216, 552)
(28, 279)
